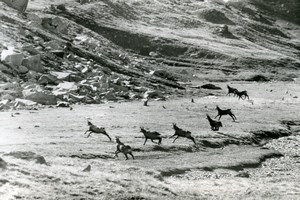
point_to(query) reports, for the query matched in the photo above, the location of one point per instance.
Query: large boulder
(20, 5)
(33, 63)
(15, 59)
(42, 98)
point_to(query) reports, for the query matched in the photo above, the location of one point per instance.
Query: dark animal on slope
(241, 94)
(152, 135)
(96, 130)
(231, 90)
(225, 112)
(182, 133)
(122, 148)
(215, 125)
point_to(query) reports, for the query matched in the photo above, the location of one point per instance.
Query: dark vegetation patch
(210, 86)
(89, 156)
(258, 78)
(261, 135)
(254, 163)
(139, 43)
(216, 17)
(3, 164)
(291, 125)
(27, 155)
(174, 171)
(285, 9)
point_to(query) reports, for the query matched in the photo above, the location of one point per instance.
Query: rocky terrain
(66, 62)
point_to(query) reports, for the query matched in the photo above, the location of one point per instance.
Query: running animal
(241, 94)
(152, 135)
(122, 148)
(225, 112)
(96, 130)
(181, 133)
(231, 90)
(215, 125)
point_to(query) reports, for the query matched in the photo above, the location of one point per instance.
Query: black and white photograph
(149, 99)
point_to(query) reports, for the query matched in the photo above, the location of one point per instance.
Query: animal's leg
(172, 136)
(86, 132)
(145, 140)
(107, 136)
(217, 116)
(233, 117)
(116, 153)
(159, 141)
(126, 156)
(176, 139)
(89, 134)
(220, 117)
(131, 155)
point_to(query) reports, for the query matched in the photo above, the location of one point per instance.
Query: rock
(110, 96)
(33, 63)
(87, 169)
(153, 94)
(7, 97)
(20, 5)
(22, 69)
(61, 75)
(3, 164)
(42, 98)
(32, 76)
(24, 102)
(243, 174)
(153, 54)
(210, 86)
(48, 79)
(30, 49)
(69, 86)
(59, 53)
(63, 104)
(61, 7)
(15, 59)
(61, 25)
(5, 104)
(41, 160)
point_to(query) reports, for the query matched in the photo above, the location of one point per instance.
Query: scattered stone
(30, 49)
(3, 164)
(61, 7)
(87, 169)
(243, 174)
(48, 79)
(63, 104)
(41, 160)
(110, 96)
(22, 69)
(58, 53)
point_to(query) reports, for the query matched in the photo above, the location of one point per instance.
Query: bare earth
(177, 170)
